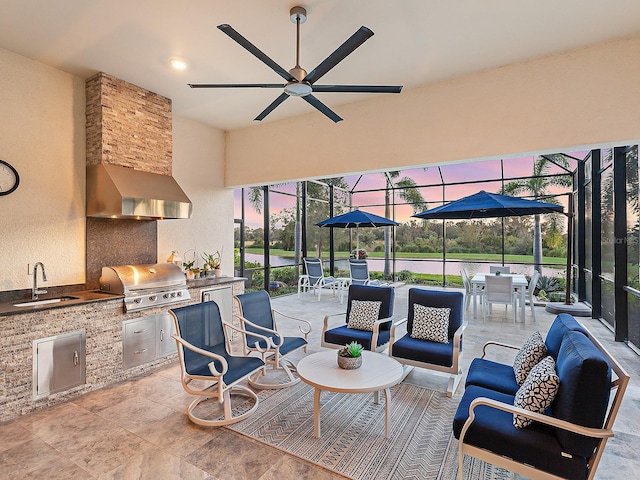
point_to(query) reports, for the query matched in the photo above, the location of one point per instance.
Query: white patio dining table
(519, 282)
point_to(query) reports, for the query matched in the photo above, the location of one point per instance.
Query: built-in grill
(146, 286)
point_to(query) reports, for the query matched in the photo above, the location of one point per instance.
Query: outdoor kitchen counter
(213, 281)
(9, 308)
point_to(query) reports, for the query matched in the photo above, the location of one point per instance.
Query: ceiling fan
(299, 82)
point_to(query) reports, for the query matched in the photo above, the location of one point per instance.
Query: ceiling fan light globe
(296, 89)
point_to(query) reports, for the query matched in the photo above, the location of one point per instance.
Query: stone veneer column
(127, 125)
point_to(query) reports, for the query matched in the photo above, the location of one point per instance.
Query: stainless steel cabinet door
(58, 363)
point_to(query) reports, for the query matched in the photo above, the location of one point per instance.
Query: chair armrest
(268, 340)
(327, 317)
(458, 335)
(538, 417)
(498, 344)
(214, 356)
(305, 331)
(392, 334)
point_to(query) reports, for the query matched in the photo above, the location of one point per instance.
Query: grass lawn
(472, 257)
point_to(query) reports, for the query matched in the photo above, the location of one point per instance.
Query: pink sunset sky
(483, 171)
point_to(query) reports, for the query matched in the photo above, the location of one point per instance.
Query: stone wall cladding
(127, 125)
(102, 322)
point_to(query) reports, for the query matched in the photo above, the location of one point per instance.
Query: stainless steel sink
(35, 303)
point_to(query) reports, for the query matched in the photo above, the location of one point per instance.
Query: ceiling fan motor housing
(298, 13)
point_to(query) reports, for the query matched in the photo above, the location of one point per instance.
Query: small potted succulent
(350, 356)
(188, 268)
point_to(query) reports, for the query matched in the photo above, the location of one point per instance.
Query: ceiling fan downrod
(298, 88)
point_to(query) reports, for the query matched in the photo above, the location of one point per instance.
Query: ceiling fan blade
(322, 107)
(272, 106)
(228, 29)
(353, 42)
(357, 88)
(236, 85)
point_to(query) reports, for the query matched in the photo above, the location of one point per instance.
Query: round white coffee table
(377, 373)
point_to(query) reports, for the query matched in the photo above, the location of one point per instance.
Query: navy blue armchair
(443, 356)
(374, 340)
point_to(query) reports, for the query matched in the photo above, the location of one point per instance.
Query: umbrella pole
(567, 291)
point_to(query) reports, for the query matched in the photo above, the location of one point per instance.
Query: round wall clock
(9, 178)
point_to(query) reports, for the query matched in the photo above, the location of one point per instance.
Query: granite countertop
(72, 298)
(213, 281)
(88, 296)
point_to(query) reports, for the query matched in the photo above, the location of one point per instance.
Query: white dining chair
(529, 292)
(498, 289)
(499, 268)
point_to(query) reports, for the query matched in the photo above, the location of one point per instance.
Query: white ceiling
(416, 42)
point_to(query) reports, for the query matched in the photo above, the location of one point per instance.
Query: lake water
(417, 266)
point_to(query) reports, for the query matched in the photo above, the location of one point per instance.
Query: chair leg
(285, 365)
(533, 310)
(454, 381)
(226, 407)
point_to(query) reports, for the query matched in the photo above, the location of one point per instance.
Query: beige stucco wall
(198, 167)
(42, 136)
(577, 99)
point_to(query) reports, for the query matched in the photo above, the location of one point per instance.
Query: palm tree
(537, 186)
(410, 194)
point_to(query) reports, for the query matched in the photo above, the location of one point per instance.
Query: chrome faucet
(35, 292)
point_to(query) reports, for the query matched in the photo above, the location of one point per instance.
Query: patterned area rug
(420, 444)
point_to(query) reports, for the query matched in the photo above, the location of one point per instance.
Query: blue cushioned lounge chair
(374, 340)
(256, 316)
(442, 357)
(204, 355)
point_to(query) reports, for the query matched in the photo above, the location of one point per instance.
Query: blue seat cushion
(585, 386)
(493, 430)
(343, 335)
(562, 323)
(289, 344)
(423, 351)
(492, 375)
(239, 367)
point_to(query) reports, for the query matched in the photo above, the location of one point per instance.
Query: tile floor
(137, 429)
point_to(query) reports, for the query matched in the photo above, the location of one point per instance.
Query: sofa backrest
(562, 324)
(583, 396)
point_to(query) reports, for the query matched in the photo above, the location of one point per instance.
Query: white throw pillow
(537, 392)
(528, 357)
(363, 314)
(430, 323)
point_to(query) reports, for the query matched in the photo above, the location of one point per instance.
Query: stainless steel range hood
(114, 191)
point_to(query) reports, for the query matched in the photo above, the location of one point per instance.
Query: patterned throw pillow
(537, 392)
(430, 323)
(363, 314)
(528, 357)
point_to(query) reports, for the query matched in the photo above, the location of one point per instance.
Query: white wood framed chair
(256, 316)
(203, 351)
(375, 339)
(498, 289)
(432, 355)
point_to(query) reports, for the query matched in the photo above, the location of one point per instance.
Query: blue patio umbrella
(492, 205)
(488, 205)
(355, 219)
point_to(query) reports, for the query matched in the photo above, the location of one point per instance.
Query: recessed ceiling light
(177, 64)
